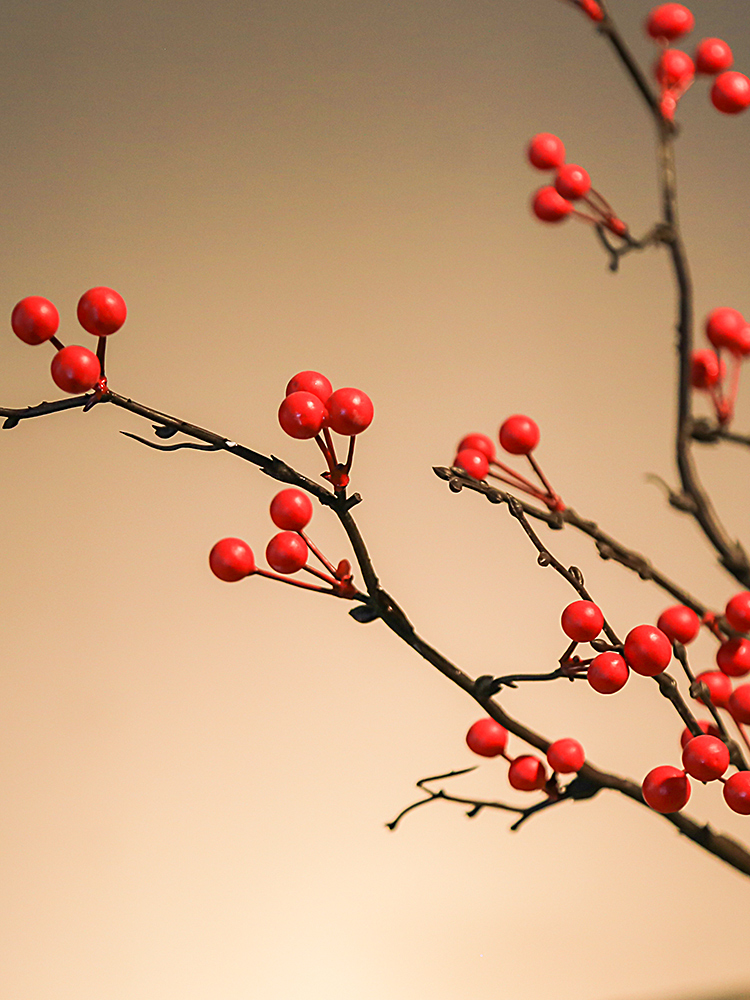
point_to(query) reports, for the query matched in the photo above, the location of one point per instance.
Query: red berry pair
(519, 435)
(553, 203)
(231, 559)
(311, 409)
(101, 311)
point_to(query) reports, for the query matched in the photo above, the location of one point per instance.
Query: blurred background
(195, 777)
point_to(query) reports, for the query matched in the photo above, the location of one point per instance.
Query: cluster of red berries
(232, 559)
(728, 330)
(526, 773)
(675, 70)
(311, 409)
(519, 435)
(554, 202)
(101, 311)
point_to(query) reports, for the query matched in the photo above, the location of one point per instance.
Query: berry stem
(101, 349)
(330, 461)
(734, 384)
(530, 487)
(320, 576)
(57, 344)
(350, 455)
(332, 450)
(294, 583)
(531, 490)
(317, 553)
(545, 482)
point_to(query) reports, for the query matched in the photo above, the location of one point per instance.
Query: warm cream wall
(194, 777)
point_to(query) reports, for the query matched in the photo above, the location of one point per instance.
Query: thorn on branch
(365, 613)
(680, 501)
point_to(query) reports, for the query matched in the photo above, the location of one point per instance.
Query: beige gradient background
(195, 777)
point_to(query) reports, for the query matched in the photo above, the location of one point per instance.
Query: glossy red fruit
(549, 206)
(479, 442)
(101, 311)
(312, 382)
(546, 151)
(286, 552)
(291, 509)
(707, 370)
(582, 621)
(350, 411)
(519, 435)
(487, 738)
(707, 727)
(666, 789)
(725, 327)
(75, 369)
(739, 703)
(572, 181)
(679, 623)
(34, 320)
(472, 462)
(670, 21)
(231, 560)
(730, 93)
(738, 611)
(712, 56)
(737, 792)
(647, 650)
(674, 68)
(607, 673)
(592, 8)
(301, 415)
(733, 657)
(527, 773)
(719, 687)
(705, 758)
(566, 756)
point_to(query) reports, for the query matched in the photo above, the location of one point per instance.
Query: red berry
(705, 758)
(101, 311)
(733, 657)
(487, 738)
(519, 435)
(725, 327)
(312, 382)
(350, 411)
(737, 792)
(706, 726)
(719, 687)
(572, 182)
(549, 206)
(75, 369)
(527, 773)
(712, 56)
(731, 93)
(473, 462)
(670, 21)
(286, 552)
(707, 369)
(647, 650)
(479, 442)
(582, 621)
(607, 673)
(738, 611)
(231, 560)
(674, 68)
(34, 320)
(301, 415)
(546, 151)
(739, 703)
(668, 105)
(566, 756)
(679, 623)
(666, 789)
(291, 509)
(592, 8)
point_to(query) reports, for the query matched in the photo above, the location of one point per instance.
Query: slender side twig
(696, 500)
